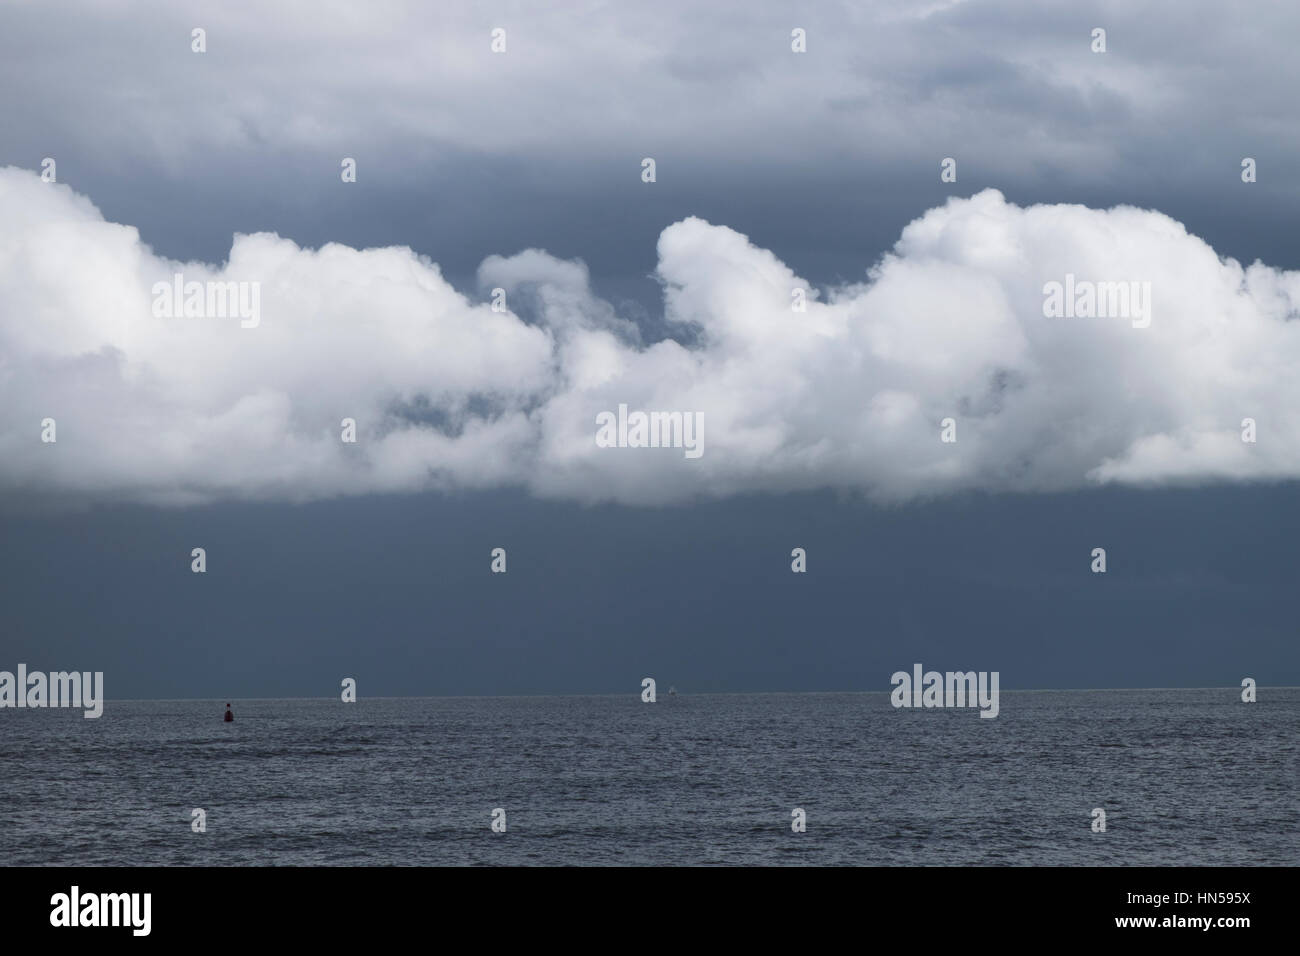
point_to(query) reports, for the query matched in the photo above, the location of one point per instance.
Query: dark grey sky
(396, 592)
(461, 161)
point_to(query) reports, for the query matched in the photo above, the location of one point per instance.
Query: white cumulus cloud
(448, 393)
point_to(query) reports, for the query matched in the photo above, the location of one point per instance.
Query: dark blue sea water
(1185, 777)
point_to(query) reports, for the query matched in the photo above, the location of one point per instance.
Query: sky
(776, 173)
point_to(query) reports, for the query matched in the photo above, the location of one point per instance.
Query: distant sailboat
(672, 691)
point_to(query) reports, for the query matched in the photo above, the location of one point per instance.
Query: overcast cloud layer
(406, 84)
(462, 152)
(449, 394)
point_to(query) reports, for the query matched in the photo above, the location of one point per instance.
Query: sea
(1184, 777)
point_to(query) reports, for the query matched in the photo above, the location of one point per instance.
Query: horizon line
(717, 693)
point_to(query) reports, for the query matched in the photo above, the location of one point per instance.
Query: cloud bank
(449, 394)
